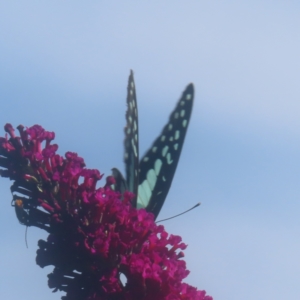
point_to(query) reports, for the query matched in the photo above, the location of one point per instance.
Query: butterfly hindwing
(120, 184)
(131, 143)
(158, 166)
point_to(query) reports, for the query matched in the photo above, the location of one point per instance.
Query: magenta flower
(100, 246)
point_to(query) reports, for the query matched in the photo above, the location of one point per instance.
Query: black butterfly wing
(131, 143)
(158, 166)
(120, 184)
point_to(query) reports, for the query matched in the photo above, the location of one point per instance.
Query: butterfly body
(150, 178)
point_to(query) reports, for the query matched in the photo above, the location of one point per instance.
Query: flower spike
(96, 237)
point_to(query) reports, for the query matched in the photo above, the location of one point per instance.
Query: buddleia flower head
(99, 245)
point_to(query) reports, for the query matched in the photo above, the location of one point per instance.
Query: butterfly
(151, 177)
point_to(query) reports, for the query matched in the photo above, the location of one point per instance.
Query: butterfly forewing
(157, 167)
(131, 155)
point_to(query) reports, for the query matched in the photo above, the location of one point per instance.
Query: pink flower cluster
(100, 246)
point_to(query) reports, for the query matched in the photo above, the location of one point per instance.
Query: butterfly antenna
(26, 237)
(198, 204)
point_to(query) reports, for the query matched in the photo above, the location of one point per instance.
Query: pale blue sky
(64, 65)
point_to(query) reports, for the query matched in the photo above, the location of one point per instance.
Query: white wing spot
(181, 103)
(133, 103)
(157, 166)
(132, 84)
(188, 97)
(158, 193)
(154, 149)
(182, 113)
(145, 158)
(164, 151)
(134, 126)
(164, 178)
(130, 119)
(141, 202)
(147, 189)
(131, 92)
(176, 146)
(169, 159)
(171, 139)
(177, 134)
(151, 178)
(163, 137)
(184, 123)
(170, 126)
(135, 137)
(130, 105)
(176, 115)
(126, 155)
(128, 130)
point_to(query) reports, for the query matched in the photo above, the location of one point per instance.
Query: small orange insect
(22, 215)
